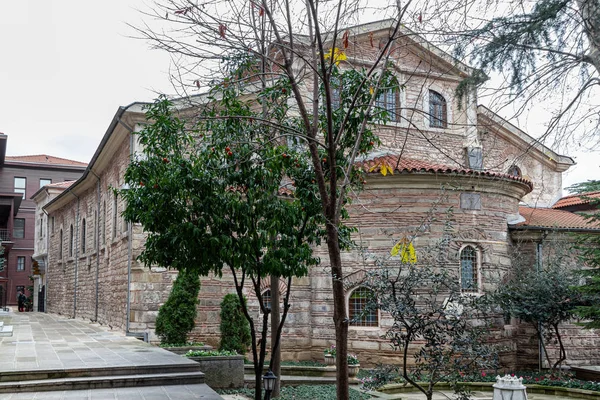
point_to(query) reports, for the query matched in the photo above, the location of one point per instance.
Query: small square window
(44, 182)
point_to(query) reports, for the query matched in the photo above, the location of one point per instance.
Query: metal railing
(4, 235)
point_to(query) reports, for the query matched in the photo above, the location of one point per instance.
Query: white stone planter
(329, 359)
(353, 370)
(509, 387)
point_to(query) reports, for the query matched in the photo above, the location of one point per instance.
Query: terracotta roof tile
(576, 199)
(45, 159)
(61, 185)
(551, 218)
(402, 164)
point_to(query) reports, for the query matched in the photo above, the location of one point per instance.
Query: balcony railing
(4, 235)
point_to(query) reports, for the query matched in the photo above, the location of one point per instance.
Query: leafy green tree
(213, 195)
(235, 331)
(543, 296)
(176, 318)
(588, 244)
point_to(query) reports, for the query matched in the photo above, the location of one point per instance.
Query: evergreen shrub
(176, 317)
(235, 330)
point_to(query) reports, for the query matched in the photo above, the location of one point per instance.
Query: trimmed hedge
(176, 317)
(235, 329)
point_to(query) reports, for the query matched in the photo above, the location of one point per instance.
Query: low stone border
(487, 387)
(297, 370)
(184, 349)
(222, 372)
(587, 373)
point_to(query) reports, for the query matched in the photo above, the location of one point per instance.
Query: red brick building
(21, 177)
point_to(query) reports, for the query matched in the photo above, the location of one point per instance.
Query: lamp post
(269, 380)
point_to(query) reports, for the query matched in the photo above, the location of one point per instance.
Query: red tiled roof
(45, 159)
(409, 165)
(576, 199)
(551, 218)
(61, 185)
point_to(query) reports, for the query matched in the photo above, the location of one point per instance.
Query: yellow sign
(338, 55)
(405, 249)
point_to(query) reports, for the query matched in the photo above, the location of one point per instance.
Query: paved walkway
(50, 342)
(187, 392)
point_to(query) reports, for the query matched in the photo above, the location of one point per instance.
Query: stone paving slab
(181, 392)
(48, 341)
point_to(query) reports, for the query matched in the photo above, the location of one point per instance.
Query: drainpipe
(76, 252)
(47, 257)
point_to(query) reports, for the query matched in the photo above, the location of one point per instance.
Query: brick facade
(129, 295)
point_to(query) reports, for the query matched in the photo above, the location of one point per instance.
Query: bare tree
(301, 43)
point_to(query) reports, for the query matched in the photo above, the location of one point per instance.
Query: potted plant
(353, 365)
(329, 354)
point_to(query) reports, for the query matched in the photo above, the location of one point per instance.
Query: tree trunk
(340, 319)
(275, 365)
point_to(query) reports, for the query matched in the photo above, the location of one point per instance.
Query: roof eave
(557, 229)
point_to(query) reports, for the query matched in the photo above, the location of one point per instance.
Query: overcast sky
(67, 65)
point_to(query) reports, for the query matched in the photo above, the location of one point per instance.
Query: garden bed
(181, 350)
(487, 387)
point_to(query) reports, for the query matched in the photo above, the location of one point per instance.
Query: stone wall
(91, 281)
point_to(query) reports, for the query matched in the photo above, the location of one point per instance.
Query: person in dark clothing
(21, 301)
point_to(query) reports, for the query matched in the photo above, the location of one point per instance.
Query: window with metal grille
(468, 269)
(71, 240)
(83, 238)
(60, 246)
(266, 299)
(438, 115)
(360, 313)
(389, 100)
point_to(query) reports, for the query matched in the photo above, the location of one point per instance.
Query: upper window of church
(438, 113)
(389, 100)
(514, 171)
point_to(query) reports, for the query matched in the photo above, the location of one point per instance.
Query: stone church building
(446, 153)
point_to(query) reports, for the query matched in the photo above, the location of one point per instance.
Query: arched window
(359, 310)
(71, 238)
(104, 222)
(266, 298)
(83, 236)
(514, 171)
(438, 113)
(60, 245)
(114, 222)
(469, 270)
